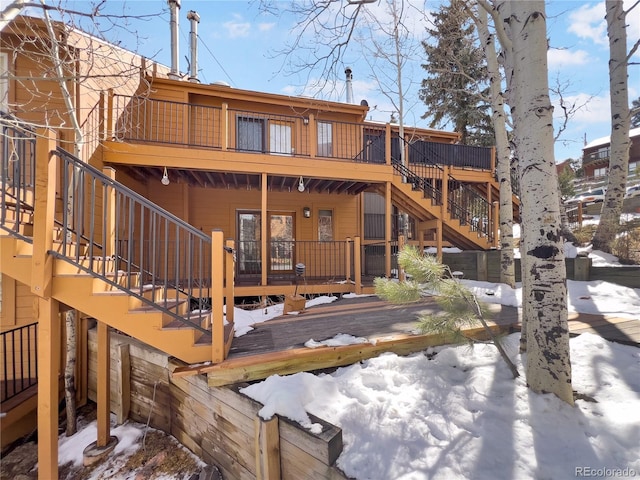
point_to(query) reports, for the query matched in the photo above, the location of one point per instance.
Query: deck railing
(324, 261)
(100, 232)
(19, 360)
(18, 157)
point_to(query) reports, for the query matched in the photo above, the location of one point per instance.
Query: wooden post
(217, 296)
(44, 213)
(348, 260)
(103, 385)
(401, 242)
(580, 214)
(267, 446)
(439, 240)
(357, 265)
(101, 113)
(387, 230)
(82, 356)
(313, 136)
(123, 379)
(224, 130)
(230, 279)
(110, 198)
(48, 368)
(387, 144)
(264, 266)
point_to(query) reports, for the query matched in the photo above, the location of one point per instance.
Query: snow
(455, 412)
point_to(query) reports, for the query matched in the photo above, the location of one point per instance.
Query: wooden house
(180, 199)
(595, 156)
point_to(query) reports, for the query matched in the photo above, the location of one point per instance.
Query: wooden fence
(218, 424)
(485, 266)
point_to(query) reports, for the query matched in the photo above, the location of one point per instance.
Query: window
(325, 140)
(325, 226)
(250, 134)
(4, 82)
(634, 167)
(600, 172)
(280, 138)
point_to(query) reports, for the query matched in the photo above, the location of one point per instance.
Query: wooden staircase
(100, 299)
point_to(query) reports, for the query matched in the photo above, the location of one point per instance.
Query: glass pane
(280, 138)
(325, 139)
(248, 252)
(281, 231)
(250, 134)
(325, 225)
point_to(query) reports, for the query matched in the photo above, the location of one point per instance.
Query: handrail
(17, 163)
(149, 247)
(19, 360)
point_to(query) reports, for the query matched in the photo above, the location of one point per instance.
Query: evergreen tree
(456, 88)
(635, 113)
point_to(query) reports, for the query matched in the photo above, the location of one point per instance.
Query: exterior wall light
(165, 177)
(306, 211)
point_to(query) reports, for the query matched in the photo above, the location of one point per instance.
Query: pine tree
(460, 308)
(456, 88)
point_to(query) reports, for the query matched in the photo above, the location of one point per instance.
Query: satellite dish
(364, 103)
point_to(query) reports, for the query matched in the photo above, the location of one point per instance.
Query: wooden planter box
(294, 303)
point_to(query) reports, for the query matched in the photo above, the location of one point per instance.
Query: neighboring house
(187, 196)
(595, 156)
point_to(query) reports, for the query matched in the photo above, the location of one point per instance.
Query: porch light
(306, 211)
(301, 185)
(165, 177)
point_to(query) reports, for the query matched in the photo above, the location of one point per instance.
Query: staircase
(112, 255)
(467, 217)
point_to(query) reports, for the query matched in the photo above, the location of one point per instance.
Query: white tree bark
(548, 365)
(503, 153)
(620, 122)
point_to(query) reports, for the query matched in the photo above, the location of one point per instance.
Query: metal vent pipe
(174, 6)
(347, 72)
(194, 18)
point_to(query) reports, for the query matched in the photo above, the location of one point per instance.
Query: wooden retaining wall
(485, 266)
(220, 425)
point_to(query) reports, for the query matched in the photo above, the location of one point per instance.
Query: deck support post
(217, 296)
(103, 406)
(110, 198)
(229, 279)
(224, 131)
(401, 243)
(263, 230)
(44, 212)
(48, 370)
(357, 264)
(387, 229)
(267, 446)
(348, 260)
(496, 224)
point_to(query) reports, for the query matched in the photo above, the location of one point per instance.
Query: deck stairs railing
(116, 256)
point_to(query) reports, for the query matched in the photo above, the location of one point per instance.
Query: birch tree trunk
(544, 298)
(620, 121)
(69, 373)
(503, 153)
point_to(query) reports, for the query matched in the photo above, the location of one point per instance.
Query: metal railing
(375, 225)
(19, 360)
(375, 259)
(324, 261)
(18, 157)
(455, 155)
(160, 121)
(150, 247)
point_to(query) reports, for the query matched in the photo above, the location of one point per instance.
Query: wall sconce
(306, 211)
(305, 120)
(165, 177)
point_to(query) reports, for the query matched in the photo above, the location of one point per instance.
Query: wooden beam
(48, 370)
(263, 230)
(217, 296)
(44, 213)
(387, 229)
(267, 446)
(229, 278)
(357, 264)
(103, 385)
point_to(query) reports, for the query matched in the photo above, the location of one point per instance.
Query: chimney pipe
(174, 6)
(194, 18)
(347, 72)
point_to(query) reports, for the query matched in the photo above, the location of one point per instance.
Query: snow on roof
(634, 132)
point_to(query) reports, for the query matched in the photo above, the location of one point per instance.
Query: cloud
(587, 22)
(561, 58)
(237, 27)
(595, 109)
(266, 27)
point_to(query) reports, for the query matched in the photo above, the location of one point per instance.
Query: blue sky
(239, 44)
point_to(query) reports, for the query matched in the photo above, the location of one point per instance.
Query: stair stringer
(92, 297)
